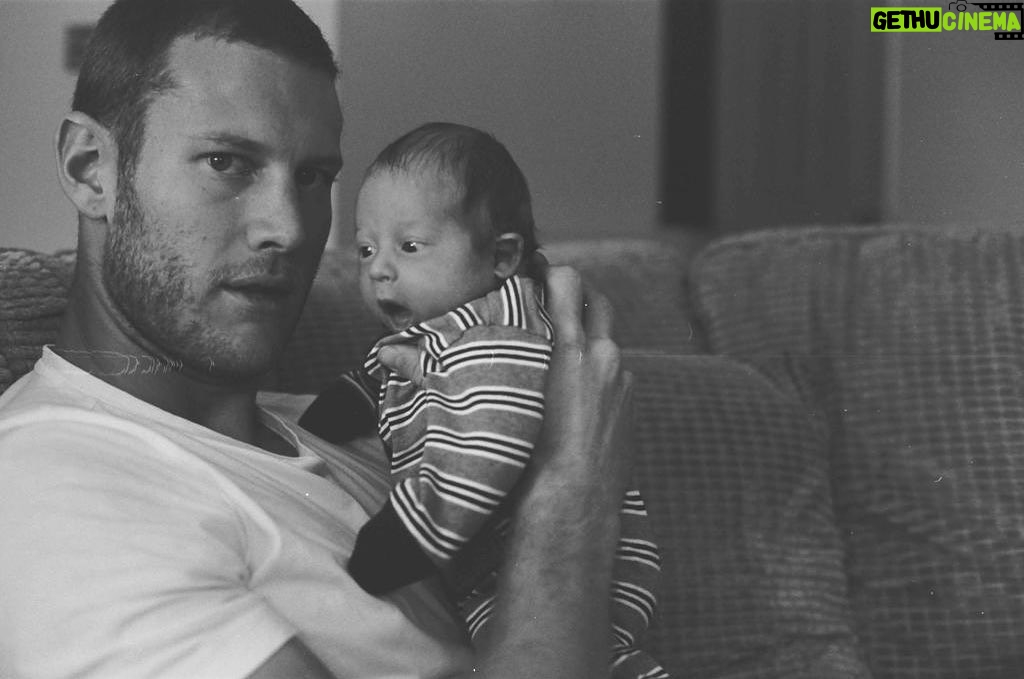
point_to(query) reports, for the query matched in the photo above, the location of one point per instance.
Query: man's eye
(410, 246)
(228, 163)
(310, 177)
(364, 251)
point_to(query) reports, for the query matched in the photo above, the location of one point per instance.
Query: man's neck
(227, 408)
(164, 384)
(95, 337)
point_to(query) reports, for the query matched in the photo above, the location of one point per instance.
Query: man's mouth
(262, 284)
(262, 289)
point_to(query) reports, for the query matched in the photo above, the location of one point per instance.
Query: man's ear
(87, 164)
(508, 253)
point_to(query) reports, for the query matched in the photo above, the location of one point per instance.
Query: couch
(830, 427)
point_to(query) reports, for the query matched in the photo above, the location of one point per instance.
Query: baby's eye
(410, 246)
(364, 251)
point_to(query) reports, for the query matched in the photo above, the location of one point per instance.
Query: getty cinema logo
(999, 17)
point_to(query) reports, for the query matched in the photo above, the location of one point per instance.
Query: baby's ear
(508, 252)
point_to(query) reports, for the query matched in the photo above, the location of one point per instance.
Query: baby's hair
(494, 193)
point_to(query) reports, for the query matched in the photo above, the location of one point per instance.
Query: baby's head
(443, 217)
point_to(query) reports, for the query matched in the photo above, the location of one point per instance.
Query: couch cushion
(33, 293)
(908, 342)
(645, 281)
(735, 478)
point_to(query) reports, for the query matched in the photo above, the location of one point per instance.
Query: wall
(960, 111)
(35, 92)
(800, 114)
(821, 121)
(570, 87)
(573, 89)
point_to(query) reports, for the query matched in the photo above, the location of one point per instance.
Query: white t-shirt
(134, 543)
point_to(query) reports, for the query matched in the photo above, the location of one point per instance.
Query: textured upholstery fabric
(645, 282)
(736, 483)
(33, 289)
(908, 344)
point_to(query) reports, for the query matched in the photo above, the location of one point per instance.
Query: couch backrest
(33, 294)
(909, 344)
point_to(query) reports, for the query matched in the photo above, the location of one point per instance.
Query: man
(171, 522)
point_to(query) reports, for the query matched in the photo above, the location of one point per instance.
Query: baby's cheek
(365, 289)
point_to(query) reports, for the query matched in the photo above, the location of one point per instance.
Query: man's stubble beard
(159, 296)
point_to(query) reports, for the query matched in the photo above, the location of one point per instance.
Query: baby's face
(416, 261)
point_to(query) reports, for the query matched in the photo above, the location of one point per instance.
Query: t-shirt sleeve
(124, 557)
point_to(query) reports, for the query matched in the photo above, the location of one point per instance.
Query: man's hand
(552, 612)
(403, 359)
(586, 440)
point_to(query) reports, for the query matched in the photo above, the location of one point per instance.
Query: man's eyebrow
(251, 146)
(235, 141)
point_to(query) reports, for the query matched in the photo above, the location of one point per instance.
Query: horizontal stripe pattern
(638, 598)
(461, 491)
(436, 541)
(487, 445)
(521, 401)
(506, 353)
(642, 552)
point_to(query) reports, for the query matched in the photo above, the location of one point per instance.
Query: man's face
(416, 260)
(214, 244)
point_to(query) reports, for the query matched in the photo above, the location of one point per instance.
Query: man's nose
(276, 218)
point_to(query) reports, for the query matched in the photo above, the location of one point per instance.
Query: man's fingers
(535, 266)
(565, 304)
(597, 314)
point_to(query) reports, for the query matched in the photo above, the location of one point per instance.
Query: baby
(444, 231)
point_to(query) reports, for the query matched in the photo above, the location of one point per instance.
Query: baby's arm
(460, 444)
(344, 410)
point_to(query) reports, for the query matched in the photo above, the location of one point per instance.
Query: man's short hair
(494, 192)
(125, 62)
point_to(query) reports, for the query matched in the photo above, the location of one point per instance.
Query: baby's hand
(403, 359)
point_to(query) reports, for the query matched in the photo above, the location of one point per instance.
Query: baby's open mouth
(395, 315)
